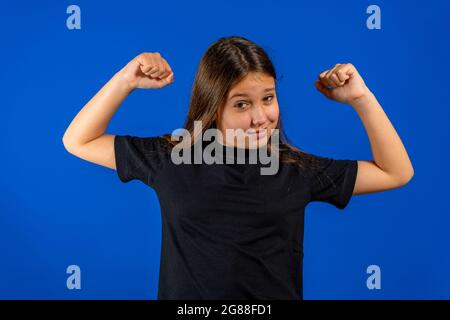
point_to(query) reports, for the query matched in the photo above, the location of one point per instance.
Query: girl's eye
(266, 98)
(242, 105)
(239, 105)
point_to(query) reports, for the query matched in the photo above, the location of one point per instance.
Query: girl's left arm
(391, 167)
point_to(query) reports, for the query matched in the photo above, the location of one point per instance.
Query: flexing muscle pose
(228, 231)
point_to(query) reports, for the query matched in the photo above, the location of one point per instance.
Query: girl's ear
(217, 119)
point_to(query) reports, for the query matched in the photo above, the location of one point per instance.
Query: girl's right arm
(85, 137)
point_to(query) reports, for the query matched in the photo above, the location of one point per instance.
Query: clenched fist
(149, 70)
(342, 83)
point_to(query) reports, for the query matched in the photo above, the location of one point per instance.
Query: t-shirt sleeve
(140, 158)
(332, 180)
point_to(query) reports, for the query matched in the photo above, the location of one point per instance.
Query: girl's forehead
(255, 79)
(252, 85)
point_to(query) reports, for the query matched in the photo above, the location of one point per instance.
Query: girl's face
(251, 106)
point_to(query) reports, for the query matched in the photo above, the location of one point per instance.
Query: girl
(229, 232)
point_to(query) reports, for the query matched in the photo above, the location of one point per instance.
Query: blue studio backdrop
(60, 215)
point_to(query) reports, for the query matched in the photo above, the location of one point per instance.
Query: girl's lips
(258, 133)
(252, 131)
(261, 133)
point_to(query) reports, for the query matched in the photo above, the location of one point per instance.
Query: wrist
(363, 100)
(124, 82)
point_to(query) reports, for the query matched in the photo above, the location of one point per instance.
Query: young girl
(228, 231)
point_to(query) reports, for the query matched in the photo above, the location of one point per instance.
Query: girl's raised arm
(391, 167)
(85, 137)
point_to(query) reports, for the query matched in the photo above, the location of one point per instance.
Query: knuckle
(147, 59)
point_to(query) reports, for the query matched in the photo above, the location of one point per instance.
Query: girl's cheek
(273, 113)
(241, 121)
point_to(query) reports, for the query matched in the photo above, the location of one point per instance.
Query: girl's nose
(258, 116)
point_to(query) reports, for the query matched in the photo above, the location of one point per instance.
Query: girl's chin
(255, 142)
(251, 141)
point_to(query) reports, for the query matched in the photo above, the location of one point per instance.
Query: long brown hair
(226, 62)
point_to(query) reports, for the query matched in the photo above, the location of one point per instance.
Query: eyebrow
(241, 94)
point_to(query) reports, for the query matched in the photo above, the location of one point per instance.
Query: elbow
(68, 145)
(65, 142)
(406, 177)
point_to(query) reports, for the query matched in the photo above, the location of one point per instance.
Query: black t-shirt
(229, 232)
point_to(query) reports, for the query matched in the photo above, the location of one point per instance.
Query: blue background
(57, 210)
